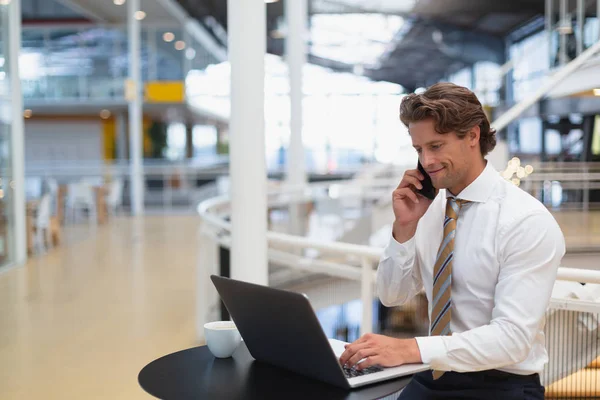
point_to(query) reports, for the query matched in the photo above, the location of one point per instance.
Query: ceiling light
(271, 1)
(4, 2)
(139, 15)
(190, 54)
(180, 45)
(168, 37)
(119, 2)
(596, 92)
(27, 113)
(105, 114)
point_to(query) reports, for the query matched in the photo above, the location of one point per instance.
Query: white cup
(222, 338)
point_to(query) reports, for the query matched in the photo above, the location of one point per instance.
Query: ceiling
(438, 36)
(429, 38)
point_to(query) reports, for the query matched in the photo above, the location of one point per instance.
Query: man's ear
(474, 135)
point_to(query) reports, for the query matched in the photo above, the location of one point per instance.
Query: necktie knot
(453, 207)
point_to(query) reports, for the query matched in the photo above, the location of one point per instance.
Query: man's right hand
(409, 206)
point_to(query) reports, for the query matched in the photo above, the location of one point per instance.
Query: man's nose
(427, 160)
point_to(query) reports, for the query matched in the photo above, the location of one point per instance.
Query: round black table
(196, 374)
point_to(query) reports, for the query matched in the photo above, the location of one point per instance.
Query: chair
(51, 187)
(115, 196)
(42, 223)
(80, 196)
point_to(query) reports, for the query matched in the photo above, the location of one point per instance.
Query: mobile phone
(428, 189)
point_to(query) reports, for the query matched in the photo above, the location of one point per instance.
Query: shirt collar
(481, 188)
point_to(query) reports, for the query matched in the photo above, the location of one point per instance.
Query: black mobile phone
(428, 189)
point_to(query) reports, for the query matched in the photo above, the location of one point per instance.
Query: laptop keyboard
(353, 372)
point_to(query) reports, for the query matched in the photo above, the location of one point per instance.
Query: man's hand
(381, 350)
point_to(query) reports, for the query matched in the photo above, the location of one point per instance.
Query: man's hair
(453, 109)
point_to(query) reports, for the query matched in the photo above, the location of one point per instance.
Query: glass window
(596, 137)
(530, 135)
(531, 63)
(6, 198)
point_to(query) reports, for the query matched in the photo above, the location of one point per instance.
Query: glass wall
(348, 119)
(6, 198)
(91, 62)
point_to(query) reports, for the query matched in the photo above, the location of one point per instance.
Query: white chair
(42, 223)
(51, 186)
(81, 197)
(114, 200)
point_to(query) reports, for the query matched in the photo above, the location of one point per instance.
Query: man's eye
(436, 146)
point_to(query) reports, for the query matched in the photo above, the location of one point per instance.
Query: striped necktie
(441, 314)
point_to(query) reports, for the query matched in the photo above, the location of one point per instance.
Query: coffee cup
(222, 338)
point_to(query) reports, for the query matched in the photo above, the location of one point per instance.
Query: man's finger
(361, 354)
(407, 192)
(351, 351)
(414, 173)
(369, 362)
(411, 180)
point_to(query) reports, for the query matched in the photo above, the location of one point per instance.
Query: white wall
(63, 141)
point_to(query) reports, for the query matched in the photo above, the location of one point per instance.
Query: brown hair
(453, 108)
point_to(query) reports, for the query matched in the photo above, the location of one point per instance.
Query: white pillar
(598, 15)
(247, 165)
(135, 109)
(296, 16)
(17, 133)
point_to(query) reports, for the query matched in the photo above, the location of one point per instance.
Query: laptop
(280, 328)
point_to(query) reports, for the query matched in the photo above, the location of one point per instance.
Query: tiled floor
(82, 320)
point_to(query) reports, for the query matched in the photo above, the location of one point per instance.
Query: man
(485, 252)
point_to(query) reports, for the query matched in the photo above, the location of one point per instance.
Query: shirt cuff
(432, 349)
(395, 249)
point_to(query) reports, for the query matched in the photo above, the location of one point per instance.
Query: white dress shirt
(507, 250)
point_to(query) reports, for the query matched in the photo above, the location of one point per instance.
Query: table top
(196, 374)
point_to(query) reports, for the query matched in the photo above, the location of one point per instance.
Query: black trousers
(485, 385)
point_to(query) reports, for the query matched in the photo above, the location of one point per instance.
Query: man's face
(445, 157)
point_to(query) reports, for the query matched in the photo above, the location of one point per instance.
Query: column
(549, 28)
(563, 36)
(246, 22)
(598, 15)
(580, 23)
(121, 138)
(151, 33)
(17, 133)
(189, 140)
(296, 16)
(135, 109)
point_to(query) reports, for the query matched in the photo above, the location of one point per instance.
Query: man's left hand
(381, 350)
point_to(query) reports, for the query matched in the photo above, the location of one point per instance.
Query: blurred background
(138, 138)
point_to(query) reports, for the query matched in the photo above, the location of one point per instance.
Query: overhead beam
(195, 29)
